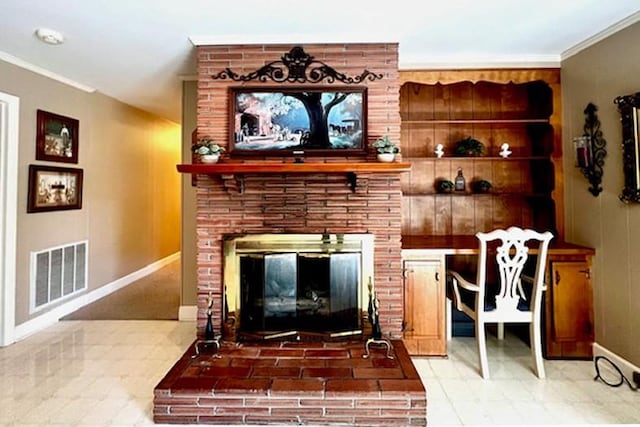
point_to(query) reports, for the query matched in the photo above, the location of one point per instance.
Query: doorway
(9, 119)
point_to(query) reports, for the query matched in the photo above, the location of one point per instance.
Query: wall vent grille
(58, 273)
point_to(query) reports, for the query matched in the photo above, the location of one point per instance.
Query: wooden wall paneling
(483, 212)
(507, 175)
(422, 141)
(443, 217)
(407, 214)
(462, 215)
(422, 176)
(501, 205)
(420, 102)
(485, 100)
(422, 215)
(441, 100)
(405, 140)
(462, 108)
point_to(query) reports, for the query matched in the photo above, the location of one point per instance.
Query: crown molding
(609, 31)
(46, 73)
(300, 39)
(470, 62)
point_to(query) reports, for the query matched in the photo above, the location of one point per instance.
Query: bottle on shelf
(460, 183)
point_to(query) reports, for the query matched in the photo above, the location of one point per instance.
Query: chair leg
(448, 321)
(536, 349)
(482, 349)
(500, 331)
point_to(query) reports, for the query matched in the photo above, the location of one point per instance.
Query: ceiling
(139, 51)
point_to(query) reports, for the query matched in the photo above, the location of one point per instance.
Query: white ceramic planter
(386, 157)
(210, 158)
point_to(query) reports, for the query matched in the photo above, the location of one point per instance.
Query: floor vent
(58, 273)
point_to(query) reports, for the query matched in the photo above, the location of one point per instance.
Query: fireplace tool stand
(210, 338)
(376, 333)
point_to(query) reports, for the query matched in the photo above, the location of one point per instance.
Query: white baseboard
(625, 366)
(38, 323)
(188, 313)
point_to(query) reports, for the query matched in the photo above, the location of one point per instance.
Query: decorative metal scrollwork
(628, 106)
(593, 169)
(296, 66)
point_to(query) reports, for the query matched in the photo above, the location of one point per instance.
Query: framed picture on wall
(53, 188)
(56, 138)
(286, 120)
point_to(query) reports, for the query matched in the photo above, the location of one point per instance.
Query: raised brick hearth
(293, 383)
(297, 383)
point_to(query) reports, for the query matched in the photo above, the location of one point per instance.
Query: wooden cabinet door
(569, 329)
(424, 298)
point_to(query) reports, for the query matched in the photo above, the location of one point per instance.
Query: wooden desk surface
(468, 245)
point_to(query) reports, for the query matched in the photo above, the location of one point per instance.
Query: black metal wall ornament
(296, 66)
(629, 107)
(591, 158)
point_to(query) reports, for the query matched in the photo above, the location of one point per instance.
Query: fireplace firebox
(281, 286)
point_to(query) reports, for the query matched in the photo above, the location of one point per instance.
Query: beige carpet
(154, 297)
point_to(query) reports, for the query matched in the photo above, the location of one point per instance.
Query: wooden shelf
(475, 121)
(309, 167)
(471, 194)
(480, 158)
(231, 171)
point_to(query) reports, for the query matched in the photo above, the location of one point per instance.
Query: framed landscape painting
(54, 188)
(56, 138)
(308, 121)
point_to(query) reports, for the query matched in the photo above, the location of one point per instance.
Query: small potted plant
(481, 186)
(469, 147)
(386, 149)
(444, 186)
(208, 150)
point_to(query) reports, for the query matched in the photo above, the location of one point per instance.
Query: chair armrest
(463, 282)
(529, 280)
(457, 279)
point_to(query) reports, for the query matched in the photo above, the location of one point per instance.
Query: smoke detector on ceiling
(49, 36)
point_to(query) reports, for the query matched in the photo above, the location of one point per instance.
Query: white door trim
(9, 119)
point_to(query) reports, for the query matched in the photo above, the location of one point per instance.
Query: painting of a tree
(299, 120)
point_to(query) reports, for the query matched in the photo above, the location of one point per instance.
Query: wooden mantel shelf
(308, 167)
(238, 170)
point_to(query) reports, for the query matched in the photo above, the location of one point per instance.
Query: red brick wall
(304, 203)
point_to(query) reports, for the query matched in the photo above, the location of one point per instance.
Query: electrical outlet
(636, 378)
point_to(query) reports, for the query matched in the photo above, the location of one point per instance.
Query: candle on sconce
(582, 150)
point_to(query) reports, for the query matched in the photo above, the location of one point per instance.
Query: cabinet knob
(557, 278)
(437, 276)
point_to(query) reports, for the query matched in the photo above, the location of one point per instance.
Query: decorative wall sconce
(590, 150)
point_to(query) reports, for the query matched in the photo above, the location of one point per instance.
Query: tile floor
(102, 373)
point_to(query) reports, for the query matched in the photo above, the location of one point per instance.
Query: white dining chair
(505, 301)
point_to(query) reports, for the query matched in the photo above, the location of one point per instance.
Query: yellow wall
(599, 74)
(131, 198)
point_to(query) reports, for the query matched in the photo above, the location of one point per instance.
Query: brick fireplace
(309, 203)
(300, 203)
